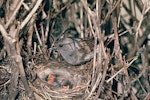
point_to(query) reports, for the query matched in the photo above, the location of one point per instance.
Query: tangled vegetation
(114, 63)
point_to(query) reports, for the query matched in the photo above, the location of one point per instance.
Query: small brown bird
(74, 51)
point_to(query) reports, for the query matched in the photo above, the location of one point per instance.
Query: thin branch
(25, 21)
(122, 69)
(14, 14)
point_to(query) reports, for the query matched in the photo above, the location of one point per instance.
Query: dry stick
(140, 4)
(90, 23)
(133, 9)
(30, 34)
(97, 31)
(88, 10)
(10, 44)
(147, 97)
(92, 15)
(117, 49)
(101, 51)
(20, 45)
(42, 31)
(4, 33)
(37, 34)
(40, 50)
(34, 49)
(2, 52)
(126, 77)
(26, 6)
(122, 69)
(109, 13)
(94, 62)
(105, 68)
(99, 77)
(140, 23)
(95, 43)
(145, 68)
(95, 46)
(36, 90)
(119, 17)
(139, 42)
(137, 77)
(112, 36)
(147, 10)
(103, 78)
(14, 14)
(97, 8)
(18, 58)
(25, 21)
(47, 28)
(142, 87)
(15, 56)
(13, 5)
(66, 6)
(81, 21)
(43, 42)
(133, 96)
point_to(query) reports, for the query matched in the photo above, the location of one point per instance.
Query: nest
(71, 82)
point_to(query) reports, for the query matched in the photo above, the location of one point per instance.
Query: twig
(14, 14)
(103, 78)
(15, 56)
(147, 97)
(128, 65)
(140, 4)
(117, 49)
(25, 21)
(2, 52)
(140, 23)
(47, 28)
(26, 6)
(34, 49)
(146, 11)
(66, 6)
(30, 34)
(95, 86)
(37, 34)
(42, 32)
(110, 11)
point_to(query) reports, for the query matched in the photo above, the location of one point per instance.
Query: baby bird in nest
(74, 51)
(57, 76)
(56, 80)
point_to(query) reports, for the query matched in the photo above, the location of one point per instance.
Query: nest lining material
(77, 79)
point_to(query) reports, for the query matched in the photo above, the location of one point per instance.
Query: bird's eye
(61, 45)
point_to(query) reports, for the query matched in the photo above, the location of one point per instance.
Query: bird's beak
(53, 48)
